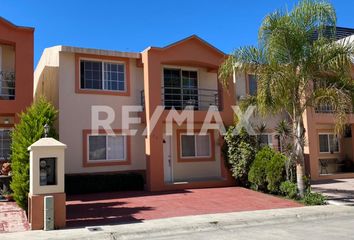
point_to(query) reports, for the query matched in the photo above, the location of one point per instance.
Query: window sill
(195, 159)
(104, 163)
(102, 92)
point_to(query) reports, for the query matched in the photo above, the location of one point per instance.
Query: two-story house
(183, 73)
(327, 155)
(16, 78)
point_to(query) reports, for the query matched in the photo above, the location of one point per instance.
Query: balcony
(7, 85)
(191, 98)
(324, 108)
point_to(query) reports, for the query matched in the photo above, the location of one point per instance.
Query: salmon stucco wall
(75, 116)
(190, 52)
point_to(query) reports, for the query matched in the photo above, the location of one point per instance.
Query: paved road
(331, 229)
(320, 222)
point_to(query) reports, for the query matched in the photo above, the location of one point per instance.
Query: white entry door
(167, 156)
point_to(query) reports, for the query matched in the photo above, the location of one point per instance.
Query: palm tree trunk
(299, 154)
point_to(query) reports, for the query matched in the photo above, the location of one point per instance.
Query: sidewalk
(12, 218)
(338, 191)
(151, 229)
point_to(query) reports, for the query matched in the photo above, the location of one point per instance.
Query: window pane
(172, 88)
(334, 143)
(114, 77)
(91, 74)
(263, 139)
(190, 88)
(203, 145)
(188, 146)
(5, 144)
(97, 147)
(252, 83)
(116, 148)
(323, 143)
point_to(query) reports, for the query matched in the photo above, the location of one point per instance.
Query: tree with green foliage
(275, 172)
(296, 70)
(26, 132)
(257, 175)
(239, 153)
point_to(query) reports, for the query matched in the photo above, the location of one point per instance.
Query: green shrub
(288, 189)
(26, 132)
(239, 154)
(275, 172)
(90, 183)
(313, 198)
(257, 174)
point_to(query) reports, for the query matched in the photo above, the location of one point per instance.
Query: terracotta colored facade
(58, 77)
(319, 165)
(19, 62)
(328, 165)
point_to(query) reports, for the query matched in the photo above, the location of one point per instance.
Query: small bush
(239, 154)
(26, 132)
(258, 174)
(91, 183)
(288, 189)
(313, 198)
(275, 172)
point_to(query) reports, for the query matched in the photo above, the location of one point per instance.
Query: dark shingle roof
(341, 33)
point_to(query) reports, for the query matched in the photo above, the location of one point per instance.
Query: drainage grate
(94, 229)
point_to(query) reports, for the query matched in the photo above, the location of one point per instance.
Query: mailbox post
(47, 185)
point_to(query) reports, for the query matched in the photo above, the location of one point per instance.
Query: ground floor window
(107, 147)
(328, 143)
(265, 140)
(195, 145)
(5, 144)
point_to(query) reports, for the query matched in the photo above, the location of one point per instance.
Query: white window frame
(329, 143)
(102, 72)
(106, 160)
(195, 146)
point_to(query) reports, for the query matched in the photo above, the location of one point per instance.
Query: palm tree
(296, 70)
(284, 134)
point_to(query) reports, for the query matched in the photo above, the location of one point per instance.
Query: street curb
(340, 203)
(232, 220)
(177, 225)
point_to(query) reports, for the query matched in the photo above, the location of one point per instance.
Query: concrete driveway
(134, 207)
(338, 191)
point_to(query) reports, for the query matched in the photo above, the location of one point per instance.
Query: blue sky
(133, 25)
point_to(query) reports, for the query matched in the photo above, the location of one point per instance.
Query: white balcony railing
(180, 98)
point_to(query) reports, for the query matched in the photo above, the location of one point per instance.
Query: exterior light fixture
(46, 130)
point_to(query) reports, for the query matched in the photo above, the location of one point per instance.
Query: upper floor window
(180, 88)
(252, 84)
(328, 143)
(7, 72)
(100, 75)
